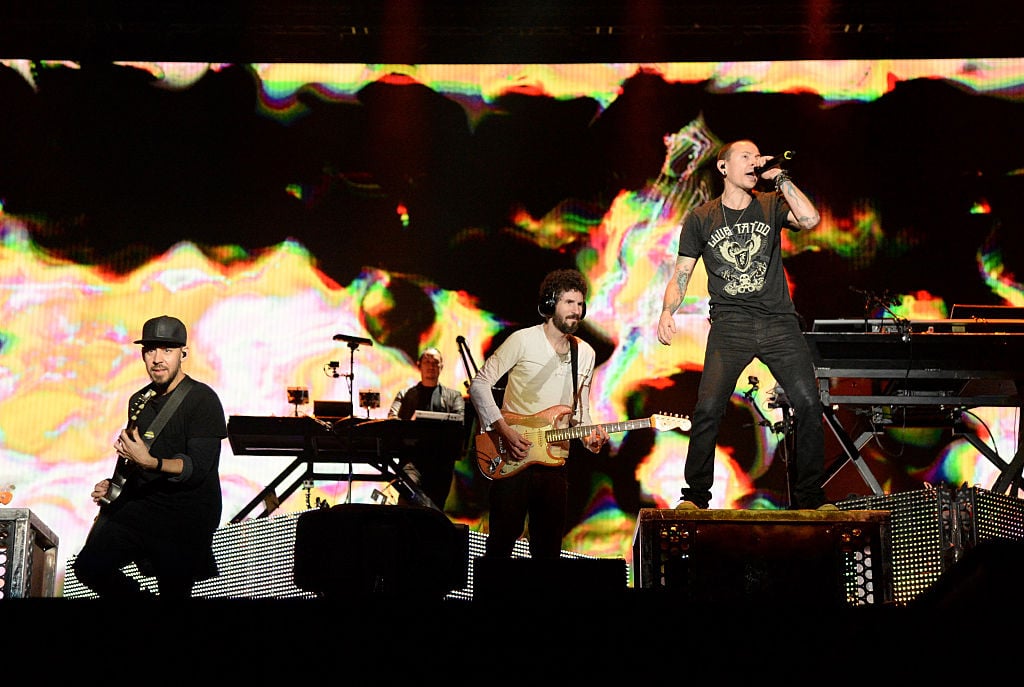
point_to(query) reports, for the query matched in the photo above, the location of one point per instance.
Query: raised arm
(802, 212)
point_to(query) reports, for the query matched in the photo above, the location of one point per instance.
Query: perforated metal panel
(254, 558)
(28, 555)
(990, 515)
(924, 533)
(932, 528)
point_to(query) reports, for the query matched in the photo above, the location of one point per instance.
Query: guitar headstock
(139, 403)
(665, 422)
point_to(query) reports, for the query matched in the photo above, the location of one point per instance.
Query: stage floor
(641, 633)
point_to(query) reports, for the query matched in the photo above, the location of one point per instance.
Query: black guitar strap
(574, 354)
(179, 393)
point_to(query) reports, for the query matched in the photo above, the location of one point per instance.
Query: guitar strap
(150, 435)
(574, 354)
(179, 393)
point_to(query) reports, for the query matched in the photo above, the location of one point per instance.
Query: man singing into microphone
(739, 237)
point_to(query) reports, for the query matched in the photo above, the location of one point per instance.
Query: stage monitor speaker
(564, 579)
(354, 550)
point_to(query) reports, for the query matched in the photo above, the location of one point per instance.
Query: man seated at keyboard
(434, 465)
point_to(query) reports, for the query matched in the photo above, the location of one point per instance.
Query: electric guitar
(120, 475)
(550, 442)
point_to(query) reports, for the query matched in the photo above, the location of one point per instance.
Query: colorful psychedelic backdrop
(272, 206)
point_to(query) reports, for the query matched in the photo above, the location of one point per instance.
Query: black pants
(734, 341)
(537, 493)
(110, 546)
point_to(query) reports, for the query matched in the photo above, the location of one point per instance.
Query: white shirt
(538, 377)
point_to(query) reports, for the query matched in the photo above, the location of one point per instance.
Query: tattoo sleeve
(807, 216)
(674, 296)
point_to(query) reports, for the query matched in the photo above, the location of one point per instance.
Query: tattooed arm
(674, 292)
(802, 212)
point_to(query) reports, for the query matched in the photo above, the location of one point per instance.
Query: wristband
(781, 179)
(159, 465)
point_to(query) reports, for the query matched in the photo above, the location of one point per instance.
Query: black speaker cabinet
(810, 558)
(565, 578)
(375, 550)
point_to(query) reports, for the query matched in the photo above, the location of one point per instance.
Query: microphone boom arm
(467, 359)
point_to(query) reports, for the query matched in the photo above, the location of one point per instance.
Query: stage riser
(806, 558)
(929, 530)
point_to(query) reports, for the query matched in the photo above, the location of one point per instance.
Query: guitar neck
(580, 431)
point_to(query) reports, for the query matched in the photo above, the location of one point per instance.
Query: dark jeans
(734, 341)
(540, 492)
(110, 546)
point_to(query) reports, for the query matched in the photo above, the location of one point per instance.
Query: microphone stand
(467, 359)
(351, 376)
(351, 373)
(471, 419)
(783, 427)
(884, 303)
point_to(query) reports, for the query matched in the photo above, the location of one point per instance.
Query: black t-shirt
(183, 509)
(742, 253)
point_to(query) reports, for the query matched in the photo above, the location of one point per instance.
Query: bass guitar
(550, 443)
(120, 475)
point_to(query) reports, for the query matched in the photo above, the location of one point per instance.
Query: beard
(565, 326)
(162, 378)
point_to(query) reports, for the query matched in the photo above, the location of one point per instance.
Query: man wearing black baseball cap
(164, 331)
(163, 503)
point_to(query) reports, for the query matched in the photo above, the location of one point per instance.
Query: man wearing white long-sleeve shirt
(530, 486)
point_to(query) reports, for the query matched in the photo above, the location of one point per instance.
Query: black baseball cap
(164, 331)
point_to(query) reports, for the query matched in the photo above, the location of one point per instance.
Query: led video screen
(273, 207)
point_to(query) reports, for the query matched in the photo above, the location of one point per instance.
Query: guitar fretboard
(580, 431)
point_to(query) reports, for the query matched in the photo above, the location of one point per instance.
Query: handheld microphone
(460, 339)
(784, 156)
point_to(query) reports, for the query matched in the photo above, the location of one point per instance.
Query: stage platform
(768, 593)
(648, 634)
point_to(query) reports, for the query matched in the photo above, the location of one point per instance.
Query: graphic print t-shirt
(742, 253)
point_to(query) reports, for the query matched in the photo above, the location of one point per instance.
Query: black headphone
(546, 306)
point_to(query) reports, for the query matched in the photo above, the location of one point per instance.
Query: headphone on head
(546, 306)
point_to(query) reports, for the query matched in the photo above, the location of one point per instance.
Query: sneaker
(687, 505)
(828, 506)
